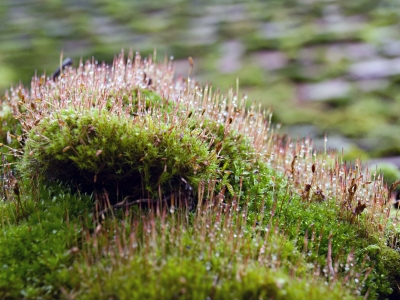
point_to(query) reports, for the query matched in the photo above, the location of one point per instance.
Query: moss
(389, 171)
(390, 259)
(192, 281)
(355, 153)
(219, 258)
(10, 134)
(302, 221)
(373, 251)
(237, 159)
(35, 250)
(254, 77)
(254, 234)
(139, 100)
(100, 151)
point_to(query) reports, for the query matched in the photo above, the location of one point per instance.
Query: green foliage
(195, 279)
(389, 171)
(254, 234)
(66, 147)
(239, 171)
(312, 225)
(223, 258)
(196, 254)
(133, 157)
(10, 130)
(139, 100)
(34, 251)
(387, 271)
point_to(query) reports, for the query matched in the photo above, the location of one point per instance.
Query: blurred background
(324, 66)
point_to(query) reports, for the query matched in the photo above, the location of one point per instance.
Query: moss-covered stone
(125, 157)
(255, 235)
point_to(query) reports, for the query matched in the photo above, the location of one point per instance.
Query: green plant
(389, 172)
(123, 157)
(275, 218)
(35, 250)
(10, 134)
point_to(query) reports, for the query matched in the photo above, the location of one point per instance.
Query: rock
(350, 51)
(232, 52)
(394, 160)
(391, 48)
(368, 85)
(301, 131)
(270, 60)
(326, 90)
(201, 35)
(228, 13)
(341, 25)
(275, 30)
(206, 20)
(334, 142)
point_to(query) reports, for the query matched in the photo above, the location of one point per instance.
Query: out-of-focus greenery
(350, 46)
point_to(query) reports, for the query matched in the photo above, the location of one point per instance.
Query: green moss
(219, 258)
(249, 76)
(35, 250)
(240, 173)
(253, 236)
(390, 260)
(67, 146)
(389, 171)
(355, 153)
(373, 250)
(303, 220)
(139, 100)
(132, 157)
(193, 280)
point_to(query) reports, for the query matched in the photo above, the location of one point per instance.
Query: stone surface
(333, 142)
(231, 54)
(394, 160)
(327, 90)
(350, 51)
(369, 85)
(270, 60)
(377, 68)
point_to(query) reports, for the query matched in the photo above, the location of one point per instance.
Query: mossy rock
(126, 157)
(141, 157)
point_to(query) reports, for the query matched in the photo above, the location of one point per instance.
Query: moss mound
(123, 157)
(276, 220)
